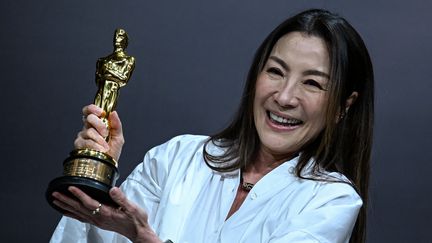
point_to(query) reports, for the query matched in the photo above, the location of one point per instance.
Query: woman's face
(291, 94)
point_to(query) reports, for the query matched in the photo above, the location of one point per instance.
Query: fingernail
(114, 191)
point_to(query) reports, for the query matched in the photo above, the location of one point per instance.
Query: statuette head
(120, 39)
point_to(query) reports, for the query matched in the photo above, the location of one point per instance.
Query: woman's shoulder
(181, 143)
(334, 186)
(177, 151)
(189, 138)
(329, 185)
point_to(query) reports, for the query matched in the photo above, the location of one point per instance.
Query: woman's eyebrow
(279, 61)
(305, 73)
(316, 73)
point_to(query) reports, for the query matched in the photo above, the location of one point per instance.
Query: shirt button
(254, 196)
(291, 170)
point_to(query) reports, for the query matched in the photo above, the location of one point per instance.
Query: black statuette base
(98, 191)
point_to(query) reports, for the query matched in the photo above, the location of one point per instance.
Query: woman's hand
(128, 220)
(94, 132)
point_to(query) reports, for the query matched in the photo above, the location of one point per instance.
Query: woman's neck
(265, 162)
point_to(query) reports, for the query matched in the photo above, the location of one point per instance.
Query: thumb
(115, 125)
(125, 205)
(116, 139)
(118, 197)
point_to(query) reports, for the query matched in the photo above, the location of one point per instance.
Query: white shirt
(188, 202)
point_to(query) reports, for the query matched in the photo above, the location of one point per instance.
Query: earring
(343, 114)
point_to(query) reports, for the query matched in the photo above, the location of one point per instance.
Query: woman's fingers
(128, 220)
(92, 109)
(90, 138)
(71, 212)
(73, 208)
(91, 118)
(71, 204)
(126, 206)
(92, 115)
(84, 208)
(94, 121)
(81, 143)
(88, 202)
(58, 202)
(71, 215)
(95, 132)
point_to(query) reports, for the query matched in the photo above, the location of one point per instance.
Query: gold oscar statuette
(93, 171)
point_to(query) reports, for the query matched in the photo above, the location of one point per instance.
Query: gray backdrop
(192, 58)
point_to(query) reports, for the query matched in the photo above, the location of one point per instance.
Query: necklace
(246, 185)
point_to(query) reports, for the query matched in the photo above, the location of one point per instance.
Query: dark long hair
(342, 146)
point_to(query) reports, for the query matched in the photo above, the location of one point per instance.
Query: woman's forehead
(301, 48)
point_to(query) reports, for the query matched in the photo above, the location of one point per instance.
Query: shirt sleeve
(144, 187)
(147, 184)
(329, 217)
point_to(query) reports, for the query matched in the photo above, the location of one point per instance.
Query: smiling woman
(292, 166)
(318, 67)
(289, 106)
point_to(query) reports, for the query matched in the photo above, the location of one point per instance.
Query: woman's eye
(314, 84)
(275, 72)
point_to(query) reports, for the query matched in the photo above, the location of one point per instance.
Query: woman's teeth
(283, 120)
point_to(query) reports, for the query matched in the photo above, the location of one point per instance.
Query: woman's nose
(287, 95)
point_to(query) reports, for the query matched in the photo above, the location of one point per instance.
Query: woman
(293, 165)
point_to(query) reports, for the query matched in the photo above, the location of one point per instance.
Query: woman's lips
(282, 123)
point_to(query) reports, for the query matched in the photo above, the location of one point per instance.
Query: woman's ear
(351, 99)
